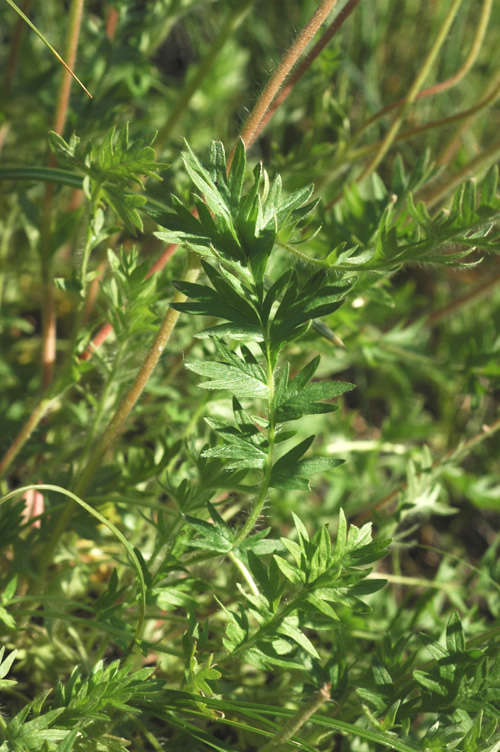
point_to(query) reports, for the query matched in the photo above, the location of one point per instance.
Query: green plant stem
(246, 574)
(261, 499)
(453, 80)
(482, 104)
(233, 21)
(290, 58)
(413, 91)
(124, 409)
(296, 722)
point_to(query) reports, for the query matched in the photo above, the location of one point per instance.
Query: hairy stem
(306, 64)
(290, 58)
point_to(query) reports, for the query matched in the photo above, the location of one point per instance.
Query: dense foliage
(250, 367)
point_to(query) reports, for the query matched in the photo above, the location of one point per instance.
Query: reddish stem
(276, 81)
(107, 329)
(11, 63)
(48, 306)
(112, 17)
(305, 65)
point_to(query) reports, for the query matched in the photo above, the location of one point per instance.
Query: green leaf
(301, 304)
(292, 574)
(68, 742)
(211, 538)
(455, 640)
(5, 666)
(430, 683)
(242, 380)
(292, 472)
(321, 606)
(237, 174)
(289, 630)
(201, 178)
(298, 397)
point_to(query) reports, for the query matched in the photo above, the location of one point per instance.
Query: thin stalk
(48, 304)
(413, 91)
(46, 43)
(477, 293)
(106, 329)
(246, 574)
(306, 63)
(22, 437)
(15, 46)
(397, 579)
(482, 104)
(276, 82)
(296, 722)
(54, 392)
(233, 21)
(469, 61)
(482, 161)
(271, 436)
(124, 409)
(112, 17)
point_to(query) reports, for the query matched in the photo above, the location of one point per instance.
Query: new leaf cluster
(237, 234)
